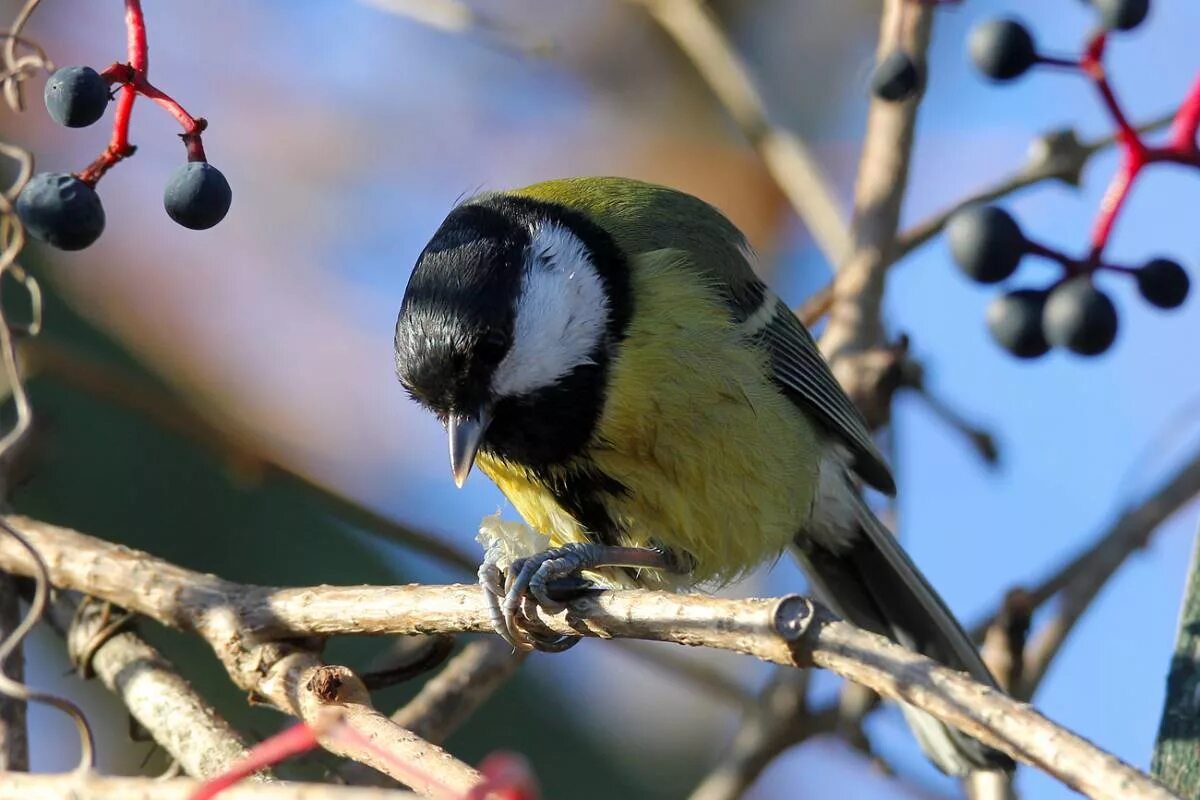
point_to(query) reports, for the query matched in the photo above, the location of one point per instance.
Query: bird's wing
(654, 221)
(797, 364)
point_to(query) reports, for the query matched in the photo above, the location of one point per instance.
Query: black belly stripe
(582, 493)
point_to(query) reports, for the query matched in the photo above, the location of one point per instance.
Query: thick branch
(790, 631)
(157, 696)
(793, 167)
(278, 671)
(91, 786)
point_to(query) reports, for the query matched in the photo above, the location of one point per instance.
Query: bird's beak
(466, 434)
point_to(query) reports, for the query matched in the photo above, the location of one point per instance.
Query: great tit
(603, 349)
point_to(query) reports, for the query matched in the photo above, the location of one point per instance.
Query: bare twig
(162, 702)
(455, 17)
(114, 385)
(1080, 580)
(92, 786)
(855, 329)
(778, 720)
(706, 678)
(980, 440)
(466, 683)
(278, 671)
(1057, 155)
(378, 742)
(16, 70)
(240, 621)
(14, 735)
(787, 158)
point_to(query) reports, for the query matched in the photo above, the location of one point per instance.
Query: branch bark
(92, 786)
(14, 731)
(278, 670)
(794, 168)
(855, 323)
(157, 696)
(239, 620)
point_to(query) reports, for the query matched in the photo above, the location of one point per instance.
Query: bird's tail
(871, 582)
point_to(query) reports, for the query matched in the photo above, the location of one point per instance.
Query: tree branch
(1058, 155)
(790, 631)
(449, 698)
(793, 167)
(1079, 581)
(92, 786)
(279, 671)
(14, 732)
(123, 390)
(855, 324)
(157, 696)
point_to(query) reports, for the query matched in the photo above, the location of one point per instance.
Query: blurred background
(348, 131)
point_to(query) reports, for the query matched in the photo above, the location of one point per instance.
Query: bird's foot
(525, 582)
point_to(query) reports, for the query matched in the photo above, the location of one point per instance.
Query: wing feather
(801, 371)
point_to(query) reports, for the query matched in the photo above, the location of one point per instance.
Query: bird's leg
(527, 579)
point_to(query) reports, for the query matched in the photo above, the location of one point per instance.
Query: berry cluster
(988, 245)
(63, 209)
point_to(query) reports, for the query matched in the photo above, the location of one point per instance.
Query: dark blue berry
(1002, 49)
(61, 210)
(986, 243)
(76, 96)
(197, 195)
(1080, 317)
(1163, 283)
(895, 78)
(1122, 15)
(1015, 322)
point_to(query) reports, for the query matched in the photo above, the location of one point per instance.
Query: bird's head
(507, 326)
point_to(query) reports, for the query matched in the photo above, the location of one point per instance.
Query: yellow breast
(718, 463)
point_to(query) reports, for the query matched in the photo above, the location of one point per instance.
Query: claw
(515, 593)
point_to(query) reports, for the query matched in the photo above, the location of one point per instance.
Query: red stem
(134, 79)
(1187, 121)
(135, 24)
(299, 738)
(1114, 199)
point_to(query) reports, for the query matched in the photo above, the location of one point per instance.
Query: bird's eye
(492, 347)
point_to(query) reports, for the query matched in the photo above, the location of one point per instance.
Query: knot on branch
(1059, 155)
(337, 684)
(871, 377)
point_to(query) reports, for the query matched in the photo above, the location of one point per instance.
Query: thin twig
(790, 631)
(706, 678)
(855, 329)
(14, 734)
(1078, 581)
(793, 167)
(114, 385)
(468, 680)
(777, 720)
(1054, 156)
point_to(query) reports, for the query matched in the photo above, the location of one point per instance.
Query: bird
(604, 351)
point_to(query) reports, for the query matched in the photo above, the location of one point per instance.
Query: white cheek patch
(561, 314)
